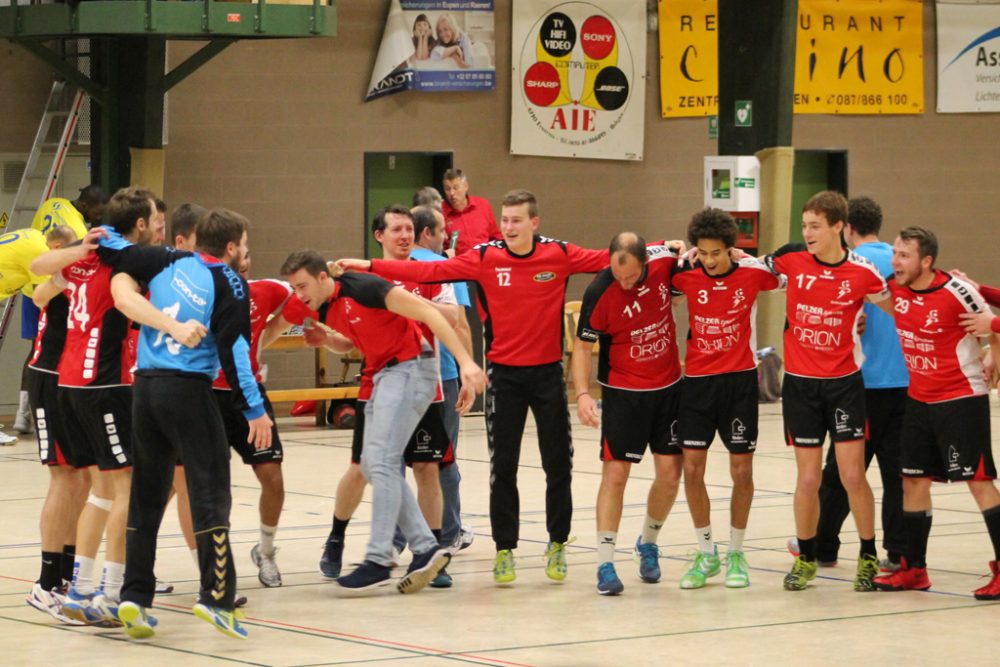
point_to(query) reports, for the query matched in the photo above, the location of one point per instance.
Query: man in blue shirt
(196, 319)
(886, 380)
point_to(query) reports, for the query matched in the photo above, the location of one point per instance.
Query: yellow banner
(689, 58)
(859, 57)
(852, 57)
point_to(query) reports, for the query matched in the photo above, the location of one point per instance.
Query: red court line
(29, 581)
(385, 642)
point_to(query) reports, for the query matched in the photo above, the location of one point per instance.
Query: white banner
(579, 78)
(968, 58)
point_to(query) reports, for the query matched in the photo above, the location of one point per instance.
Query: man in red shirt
(946, 427)
(470, 217)
(266, 297)
(823, 391)
(378, 318)
(720, 385)
(627, 309)
(522, 288)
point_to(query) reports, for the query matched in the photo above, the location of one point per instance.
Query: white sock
(22, 403)
(651, 529)
(194, 555)
(736, 538)
(705, 539)
(111, 579)
(606, 546)
(83, 574)
(267, 539)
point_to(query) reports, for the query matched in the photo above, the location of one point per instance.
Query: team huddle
(146, 368)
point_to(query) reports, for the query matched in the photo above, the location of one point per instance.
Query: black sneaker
(367, 575)
(423, 570)
(333, 558)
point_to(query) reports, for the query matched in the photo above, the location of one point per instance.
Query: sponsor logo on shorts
(544, 277)
(912, 471)
(807, 441)
(630, 455)
(841, 417)
(695, 443)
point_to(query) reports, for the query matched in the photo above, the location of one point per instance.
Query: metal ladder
(63, 106)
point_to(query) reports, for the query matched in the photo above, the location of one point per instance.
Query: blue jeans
(451, 519)
(401, 395)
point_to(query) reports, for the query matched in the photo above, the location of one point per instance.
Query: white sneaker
(7, 439)
(22, 423)
(108, 608)
(466, 536)
(50, 602)
(268, 574)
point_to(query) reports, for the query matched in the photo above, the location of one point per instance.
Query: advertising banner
(968, 58)
(435, 45)
(579, 78)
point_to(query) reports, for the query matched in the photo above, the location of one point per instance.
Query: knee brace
(99, 503)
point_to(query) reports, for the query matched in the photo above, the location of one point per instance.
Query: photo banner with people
(435, 45)
(850, 57)
(968, 58)
(579, 78)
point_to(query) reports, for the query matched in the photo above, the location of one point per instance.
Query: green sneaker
(704, 566)
(503, 568)
(736, 570)
(555, 556)
(867, 570)
(802, 573)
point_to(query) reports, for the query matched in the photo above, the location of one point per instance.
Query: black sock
(437, 534)
(339, 528)
(918, 529)
(68, 556)
(51, 576)
(992, 517)
(807, 549)
(868, 547)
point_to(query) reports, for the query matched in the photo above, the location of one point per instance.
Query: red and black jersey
(522, 295)
(992, 296)
(266, 297)
(722, 315)
(96, 354)
(944, 361)
(357, 310)
(823, 307)
(51, 338)
(635, 327)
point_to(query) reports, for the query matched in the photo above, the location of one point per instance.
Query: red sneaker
(990, 591)
(907, 578)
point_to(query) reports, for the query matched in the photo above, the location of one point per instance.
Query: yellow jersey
(58, 211)
(17, 251)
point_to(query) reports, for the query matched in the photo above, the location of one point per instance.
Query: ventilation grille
(13, 172)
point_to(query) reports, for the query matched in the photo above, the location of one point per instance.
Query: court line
(423, 651)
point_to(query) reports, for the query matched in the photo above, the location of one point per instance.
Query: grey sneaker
(268, 574)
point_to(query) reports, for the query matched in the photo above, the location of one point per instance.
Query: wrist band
(582, 393)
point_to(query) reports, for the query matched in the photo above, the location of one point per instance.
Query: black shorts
(947, 441)
(428, 444)
(99, 422)
(631, 420)
(237, 429)
(726, 403)
(53, 447)
(813, 407)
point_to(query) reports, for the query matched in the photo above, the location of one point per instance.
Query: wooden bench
(322, 392)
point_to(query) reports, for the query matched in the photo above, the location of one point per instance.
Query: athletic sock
(868, 547)
(651, 529)
(267, 538)
(83, 575)
(705, 543)
(51, 575)
(339, 529)
(736, 538)
(68, 556)
(606, 546)
(918, 529)
(111, 579)
(992, 518)
(807, 549)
